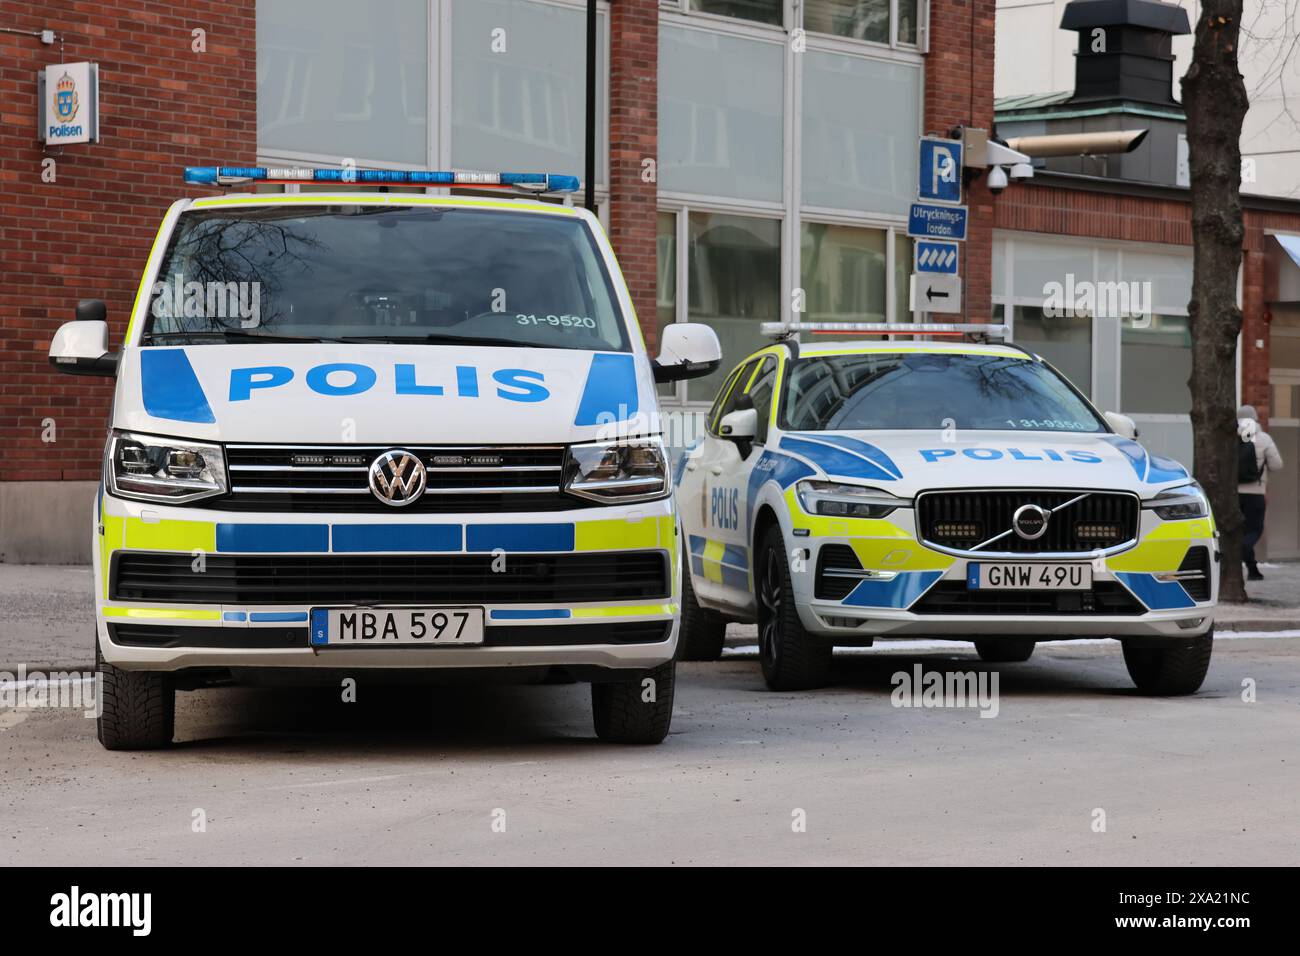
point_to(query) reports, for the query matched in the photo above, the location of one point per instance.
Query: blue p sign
(939, 177)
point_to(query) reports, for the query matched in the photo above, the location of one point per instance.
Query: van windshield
(921, 390)
(347, 273)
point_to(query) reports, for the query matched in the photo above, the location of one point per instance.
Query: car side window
(761, 393)
(726, 400)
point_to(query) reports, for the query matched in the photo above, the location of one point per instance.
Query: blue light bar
(242, 175)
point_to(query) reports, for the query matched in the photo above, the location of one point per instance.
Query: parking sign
(939, 175)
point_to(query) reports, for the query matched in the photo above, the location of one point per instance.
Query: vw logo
(1030, 522)
(397, 477)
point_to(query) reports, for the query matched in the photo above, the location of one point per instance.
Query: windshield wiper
(234, 335)
(439, 339)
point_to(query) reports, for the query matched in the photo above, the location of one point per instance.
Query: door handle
(690, 466)
(715, 470)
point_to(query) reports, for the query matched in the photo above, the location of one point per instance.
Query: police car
(377, 431)
(960, 489)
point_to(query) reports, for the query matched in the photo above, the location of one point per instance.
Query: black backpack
(1248, 469)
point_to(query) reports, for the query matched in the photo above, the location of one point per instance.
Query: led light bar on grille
(242, 175)
(957, 530)
(1094, 531)
(970, 329)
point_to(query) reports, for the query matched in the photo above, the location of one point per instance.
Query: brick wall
(88, 233)
(633, 138)
(959, 92)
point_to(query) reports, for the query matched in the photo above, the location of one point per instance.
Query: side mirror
(1121, 424)
(740, 424)
(686, 350)
(81, 347)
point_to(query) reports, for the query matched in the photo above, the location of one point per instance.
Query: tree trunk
(1214, 96)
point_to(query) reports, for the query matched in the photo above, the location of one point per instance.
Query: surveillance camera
(997, 179)
(1021, 171)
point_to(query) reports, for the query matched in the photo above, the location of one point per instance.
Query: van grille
(335, 478)
(960, 520)
(392, 579)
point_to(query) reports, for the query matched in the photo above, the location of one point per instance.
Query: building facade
(756, 159)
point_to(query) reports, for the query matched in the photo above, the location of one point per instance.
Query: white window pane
(1039, 265)
(1065, 342)
(763, 11)
(518, 87)
(843, 273)
(343, 84)
(860, 129)
(1155, 363)
(720, 101)
(1170, 277)
(859, 19)
(734, 285)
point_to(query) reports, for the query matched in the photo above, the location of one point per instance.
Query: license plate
(1029, 577)
(381, 626)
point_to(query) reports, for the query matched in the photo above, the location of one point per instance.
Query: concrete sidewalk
(48, 613)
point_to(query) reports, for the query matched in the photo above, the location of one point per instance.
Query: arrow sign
(935, 293)
(934, 257)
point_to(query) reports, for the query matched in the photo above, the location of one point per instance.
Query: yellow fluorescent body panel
(171, 535)
(616, 534)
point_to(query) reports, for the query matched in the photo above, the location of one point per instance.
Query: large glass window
(861, 120)
(720, 114)
(343, 85)
(762, 11)
(843, 269)
(734, 282)
(1156, 364)
(1063, 341)
(518, 86)
(859, 19)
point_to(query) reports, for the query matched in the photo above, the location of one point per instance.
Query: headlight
(632, 470)
(846, 501)
(1175, 504)
(164, 469)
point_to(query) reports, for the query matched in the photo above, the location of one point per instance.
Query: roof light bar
(243, 175)
(783, 330)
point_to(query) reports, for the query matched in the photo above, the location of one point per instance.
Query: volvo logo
(1030, 522)
(397, 477)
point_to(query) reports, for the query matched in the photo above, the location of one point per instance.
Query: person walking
(1257, 456)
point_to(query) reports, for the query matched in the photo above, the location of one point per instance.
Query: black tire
(1170, 671)
(137, 708)
(1004, 650)
(702, 630)
(623, 716)
(791, 658)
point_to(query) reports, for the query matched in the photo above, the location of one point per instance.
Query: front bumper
(248, 624)
(920, 592)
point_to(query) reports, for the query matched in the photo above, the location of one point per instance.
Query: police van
(369, 430)
(937, 483)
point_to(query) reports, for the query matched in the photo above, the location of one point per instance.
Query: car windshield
(922, 390)
(384, 274)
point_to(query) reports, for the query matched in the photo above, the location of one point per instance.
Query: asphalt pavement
(1075, 768)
